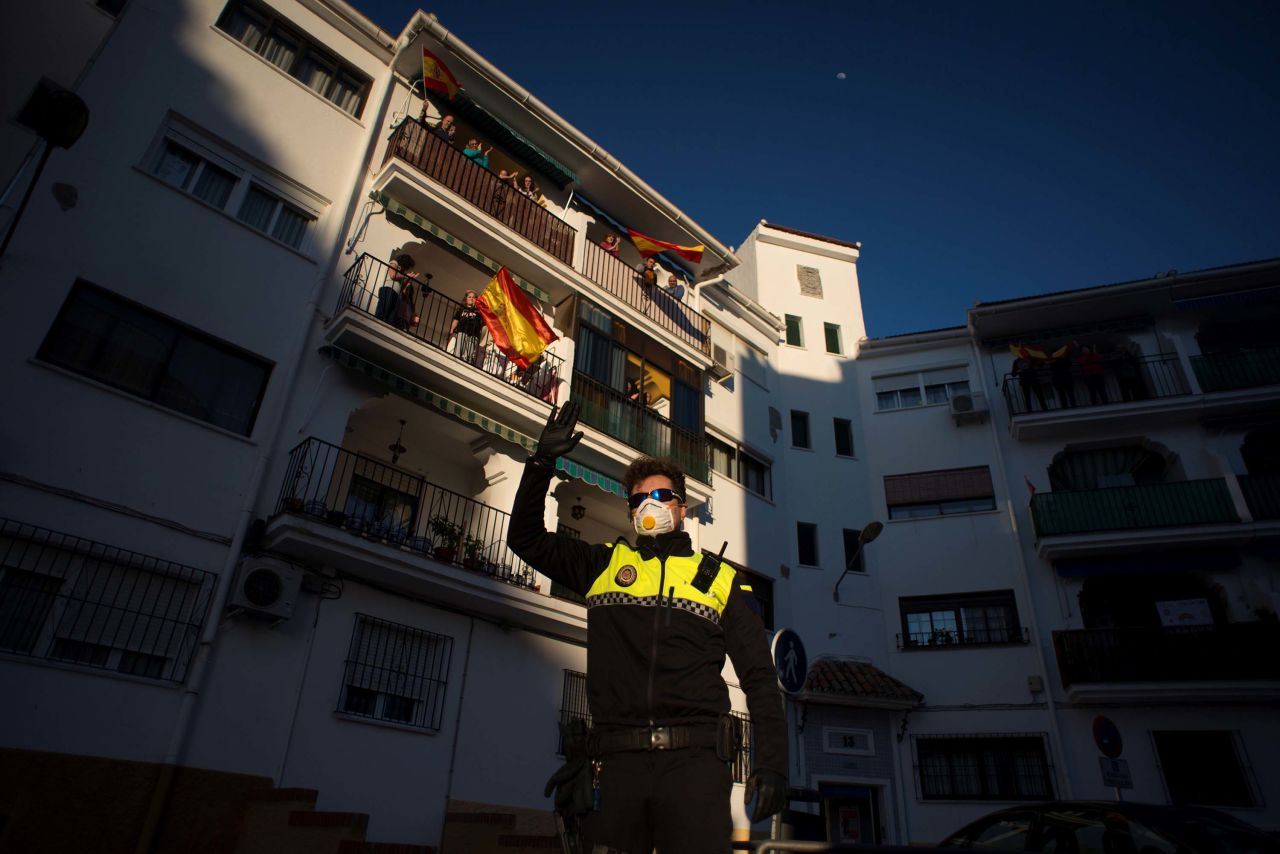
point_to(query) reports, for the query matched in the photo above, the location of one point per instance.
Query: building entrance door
(853, 814)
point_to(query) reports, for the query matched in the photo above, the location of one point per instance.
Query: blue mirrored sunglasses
(664, 495)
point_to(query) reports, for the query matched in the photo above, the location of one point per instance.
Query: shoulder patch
(625, 576)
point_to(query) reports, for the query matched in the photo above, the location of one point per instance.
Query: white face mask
(653, 517)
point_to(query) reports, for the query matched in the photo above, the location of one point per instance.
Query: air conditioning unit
(719, 363)
(968, 407)
(267, 587)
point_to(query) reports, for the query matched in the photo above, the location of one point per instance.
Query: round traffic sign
(790, 661)
(1107, 736)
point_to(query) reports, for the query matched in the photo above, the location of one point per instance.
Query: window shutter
(810, 281)
(938, 486)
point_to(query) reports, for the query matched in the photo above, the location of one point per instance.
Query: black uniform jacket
(655, 660)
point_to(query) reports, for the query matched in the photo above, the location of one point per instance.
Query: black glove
(558, 437)
(770, 791)
(572, 781)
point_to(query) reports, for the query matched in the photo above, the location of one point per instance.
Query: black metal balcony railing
(1261, 495)
(639, 426)
(1244, 369)
(380, 502)
(1160, 505)
(657, 304)
(1235, 651)
(414, 143)
(368, 287)
(1116, 381)
(963, 637)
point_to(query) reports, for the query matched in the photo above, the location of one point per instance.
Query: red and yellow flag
(648, 246)
(436, 76)
(517, 327)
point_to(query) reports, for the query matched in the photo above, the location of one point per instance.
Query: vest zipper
(653, 648)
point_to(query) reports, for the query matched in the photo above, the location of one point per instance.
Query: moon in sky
(841, 75)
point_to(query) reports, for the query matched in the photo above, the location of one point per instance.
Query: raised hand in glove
(769, 788)
(558, 437)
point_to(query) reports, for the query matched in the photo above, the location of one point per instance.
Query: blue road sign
(790, 661)
(1107, 736)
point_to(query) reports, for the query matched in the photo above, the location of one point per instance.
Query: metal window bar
(983, 766)
(573, 704)
(744, 734)
(396, 673)
(75, 600)
(609, 410)
(379, 502)
(368, 287)
(1117, 381)
(936, 638)
(414, 143)
(657, 304)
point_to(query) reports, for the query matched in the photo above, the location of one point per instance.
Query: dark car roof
(1130, 809)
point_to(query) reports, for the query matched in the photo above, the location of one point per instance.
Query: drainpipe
(195, 682)
(1055, 735)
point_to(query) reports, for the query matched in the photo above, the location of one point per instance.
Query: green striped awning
(399, 208)
(511, 139)
(427, 397)
(590, 476)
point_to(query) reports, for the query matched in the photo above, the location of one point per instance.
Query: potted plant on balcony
(472, 547)
(447, 534)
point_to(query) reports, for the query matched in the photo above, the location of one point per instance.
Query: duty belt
(624, 739)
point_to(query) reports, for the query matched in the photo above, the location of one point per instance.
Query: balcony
(1080, 522)
(414, 143)
(672, 315)
(382, 504)
(1139, 663)
(1241, 370)
(368, 289)
(639, 427)
(1262, 495)
(1133, 389)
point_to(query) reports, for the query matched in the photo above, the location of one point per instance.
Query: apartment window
(832, 333)
(1204, 768)
(800, 429)
(852, 553)
(87, 603)
(983, 768)
(795, 331)
(745, 735)
(810, 281)
(280, 44)
(740, 465)
(396, 673)
(195, 167)
(126, 346)
(939, 493)
(573, 703)
(921, 388)
(959, 619)
(844, 437)
(807, 538)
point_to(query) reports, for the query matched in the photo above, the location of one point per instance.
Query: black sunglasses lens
(664, 495)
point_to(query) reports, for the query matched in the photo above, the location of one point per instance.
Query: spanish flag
(517, 328)
(648, 246)
(436, 76)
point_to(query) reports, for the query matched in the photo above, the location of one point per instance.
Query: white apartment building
(254, 587)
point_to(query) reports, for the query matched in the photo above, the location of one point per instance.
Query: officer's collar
(664, 545)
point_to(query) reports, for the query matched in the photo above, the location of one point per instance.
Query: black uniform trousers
(674, 800)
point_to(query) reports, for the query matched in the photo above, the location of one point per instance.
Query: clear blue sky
(979, 150)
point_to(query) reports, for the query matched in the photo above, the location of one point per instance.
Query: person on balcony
(674, 288)
(1094, 374)
(1063, 378)
(464, 331)
(610, 244)
(529, 189)
(660, 620)
(1129, 374)
(407, 317)
(446, 129)
(476, 154)
(399, 269)
(649, 275)
(1029, 381)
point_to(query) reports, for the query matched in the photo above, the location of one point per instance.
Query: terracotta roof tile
(836, 677)
(812, 236)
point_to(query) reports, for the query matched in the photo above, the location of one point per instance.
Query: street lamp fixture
(866, 535)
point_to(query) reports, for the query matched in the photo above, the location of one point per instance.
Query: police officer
(660, 620)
